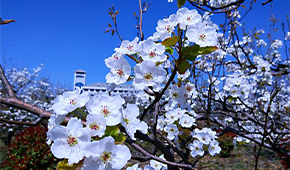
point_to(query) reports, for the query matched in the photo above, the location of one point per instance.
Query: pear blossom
(214, 148)
(152, 51)
(186, 121)
(120, 71)
(69, 101)
(109, 107)
(160, 122)
(196, 148)
(104, 154)
(165, 27)
(187, 18)
(183, 76)
(134, 167)
(157, 165)
(130, 121)
(69, 142)
(177, 93)
(96, 125)
(128, 47)
(52, 122)
(148, 74)
(171, 130)
(202, 35)
(115, 57)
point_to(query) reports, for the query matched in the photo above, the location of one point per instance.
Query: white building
(126, 90)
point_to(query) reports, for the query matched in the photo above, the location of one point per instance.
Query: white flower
(287, 37)
(157, 165)
(214, 148)
(187, 18)
(52, 122)
(104, 154)
(109, 107)
(203, 137)
(130, 121)
(114, 57)
(165, 27)
(96, 125)
(160, 123)
(148, 74)
(177, 93)
(152, 51)
(69, 101)
(120, 71)
(171, 116)
(69, 141)
(186, 121)
(128, 47)
(196, 148)
(183, 76)
(203, 35)
(134, 167)
(171, 130)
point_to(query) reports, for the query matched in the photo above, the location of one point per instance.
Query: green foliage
(226, 143)
(29, 151)
(183, 65)
(193, 51)
(180, 3)
(115, 132)
(170, 41)
(169, 50)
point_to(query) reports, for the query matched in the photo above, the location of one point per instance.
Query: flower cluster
(98, 144)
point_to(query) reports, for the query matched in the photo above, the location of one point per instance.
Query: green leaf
(113, 131)
(63, 165)
(120, 139)
(170, 41)
(193, 51)
(180, 3)
(183, 66)
(169, 50)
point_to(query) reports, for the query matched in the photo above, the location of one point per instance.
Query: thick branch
(144, 152)
(6, 84)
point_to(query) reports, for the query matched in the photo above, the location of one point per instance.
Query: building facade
(125, 90)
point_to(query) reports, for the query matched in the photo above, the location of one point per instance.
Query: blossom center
(94, 126)
(105, 111)
(148, 76)
(116, 57)
(72, 140)
(126, 120)
(188, 18)
(130, 47)
(120, 72)
(106, 157)
(202, 37)
(72, 102)
(152, 54)
(175, 95)
(167, 27)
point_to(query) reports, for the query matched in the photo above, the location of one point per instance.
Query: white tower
(79, 78)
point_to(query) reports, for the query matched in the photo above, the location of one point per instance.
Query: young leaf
(63, 165)
(183, 66)
(180, 3)
(169, 50)
(120, 139)
(193, 51)
(170, 41)
(113, 131)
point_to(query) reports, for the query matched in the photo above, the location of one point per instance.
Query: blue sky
(66, 35)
